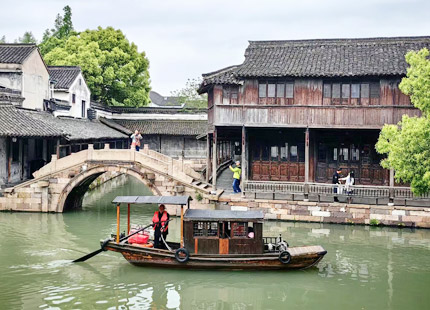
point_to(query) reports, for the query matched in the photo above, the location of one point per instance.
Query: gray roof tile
(78, 129)
(15, 53)
(15, 122)
(63, 75)
(321, 58)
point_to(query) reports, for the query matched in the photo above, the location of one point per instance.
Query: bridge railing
(149, 158)
(327, 192)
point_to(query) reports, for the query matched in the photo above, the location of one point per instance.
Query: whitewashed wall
(35, 82)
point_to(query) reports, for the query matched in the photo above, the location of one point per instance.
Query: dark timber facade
(299, 109)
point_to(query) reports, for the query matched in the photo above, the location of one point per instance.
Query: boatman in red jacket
(160, 221)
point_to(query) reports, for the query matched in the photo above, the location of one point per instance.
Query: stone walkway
(225, 181)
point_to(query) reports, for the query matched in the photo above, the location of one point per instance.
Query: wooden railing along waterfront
(323, 192)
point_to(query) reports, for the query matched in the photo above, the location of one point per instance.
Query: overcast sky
(184, 39)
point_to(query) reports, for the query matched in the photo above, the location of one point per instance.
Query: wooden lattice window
(198, 229)
(279, 89)
(205, 229)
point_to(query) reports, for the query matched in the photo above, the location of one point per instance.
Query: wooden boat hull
(301, 258)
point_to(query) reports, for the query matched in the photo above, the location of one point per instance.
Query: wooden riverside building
(301, 108)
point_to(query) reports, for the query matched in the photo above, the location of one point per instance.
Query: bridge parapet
(147, 157)
(63, 182)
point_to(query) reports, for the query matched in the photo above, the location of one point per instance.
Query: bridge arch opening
(73, 194)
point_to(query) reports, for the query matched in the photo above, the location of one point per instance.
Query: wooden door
(223, 246)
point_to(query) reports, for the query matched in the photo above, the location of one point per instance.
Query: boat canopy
(168, 200)
(223, 215)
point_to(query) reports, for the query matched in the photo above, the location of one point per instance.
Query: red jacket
(164, 219)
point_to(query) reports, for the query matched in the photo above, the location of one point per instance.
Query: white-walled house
(22, 69)
(70, 91)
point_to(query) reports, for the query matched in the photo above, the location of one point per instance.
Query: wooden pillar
(117, 223)
(128, 219)
(244, 160)
(182, 226)
(208, 157)
(58, 148)
(9, 160)
(307, 155)
(214, 159)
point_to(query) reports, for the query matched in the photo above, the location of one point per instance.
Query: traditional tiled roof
(164, 101)
(147, 110)
(321, 58)
(223, 76)
(16, 122)
(78, 129)
(15, 53)
(64, 76)
(115, 125)
(331, 57)
(165, 127)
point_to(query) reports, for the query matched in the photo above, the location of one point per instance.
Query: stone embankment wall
(339, 213)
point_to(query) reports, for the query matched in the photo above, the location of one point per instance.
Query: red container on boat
(140, 238)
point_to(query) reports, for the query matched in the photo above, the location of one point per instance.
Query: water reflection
(365, 268)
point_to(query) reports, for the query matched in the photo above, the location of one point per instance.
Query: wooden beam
(244, 160)
(214, 159)
(182, 226)
(117, 223)
(128, 219)
(307, 155)
(208, 157)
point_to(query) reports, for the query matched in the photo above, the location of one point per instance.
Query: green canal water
(365, 268)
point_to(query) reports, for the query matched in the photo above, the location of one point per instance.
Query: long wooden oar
(88, 256)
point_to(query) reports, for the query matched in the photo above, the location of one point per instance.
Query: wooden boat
(214, 239)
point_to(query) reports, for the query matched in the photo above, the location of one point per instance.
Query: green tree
(407, 144)
(3, 39)
(115, 71)
(189, 95)
(63, 29)
(28, 37)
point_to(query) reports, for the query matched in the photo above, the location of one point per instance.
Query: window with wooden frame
(230, 94)
(341, 92)
(276, 92)
(15, 150)
(205, 229)
(239, 230)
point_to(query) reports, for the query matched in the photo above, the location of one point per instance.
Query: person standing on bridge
(237, 171)
(161, 228)
(135, 140)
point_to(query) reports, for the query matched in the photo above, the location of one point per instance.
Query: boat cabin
(223, 232)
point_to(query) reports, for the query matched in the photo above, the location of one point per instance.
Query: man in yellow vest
(237, 171)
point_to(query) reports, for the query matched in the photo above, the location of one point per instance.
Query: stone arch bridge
(61, 184)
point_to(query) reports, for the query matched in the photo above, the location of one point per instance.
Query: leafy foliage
(3, 39)
(28, 37)
(63, 29)
(115, 71)
(407, 144)
(189, 96)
